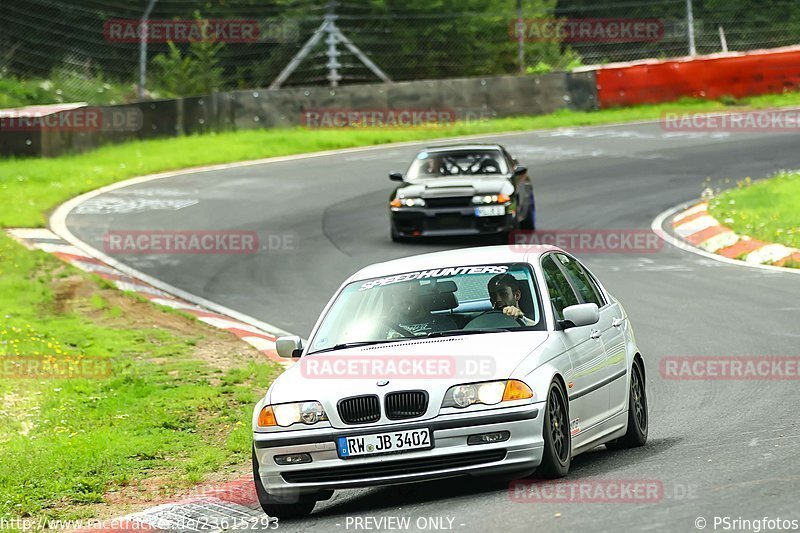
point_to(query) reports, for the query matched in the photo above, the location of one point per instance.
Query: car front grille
(449, 201)
(448, 222)
(360, 409)
(405, 404)
(357, 471)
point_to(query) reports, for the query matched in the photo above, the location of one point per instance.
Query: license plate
(490, 211)
(380, 443)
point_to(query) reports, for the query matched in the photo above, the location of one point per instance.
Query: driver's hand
(512, 311)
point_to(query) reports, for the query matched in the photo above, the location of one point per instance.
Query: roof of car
(451, 258)
(455, 147)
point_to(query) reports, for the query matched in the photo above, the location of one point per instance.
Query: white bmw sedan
(489, 360)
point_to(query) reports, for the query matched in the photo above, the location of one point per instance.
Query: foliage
(63, 85)
(196, 72)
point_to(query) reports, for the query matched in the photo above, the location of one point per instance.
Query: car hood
(456, 186)
(465, 359)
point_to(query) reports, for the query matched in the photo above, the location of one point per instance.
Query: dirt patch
(158, 488)
(69, 289)
(112, 308)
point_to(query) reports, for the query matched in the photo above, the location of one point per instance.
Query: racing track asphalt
(720, 448)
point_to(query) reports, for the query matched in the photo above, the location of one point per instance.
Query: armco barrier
(499, 96)
(732, 74)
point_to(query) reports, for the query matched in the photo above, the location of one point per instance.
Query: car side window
(561, 294)
(580, 280)
(596, 286)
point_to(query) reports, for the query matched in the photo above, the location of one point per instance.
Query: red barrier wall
(706, 77)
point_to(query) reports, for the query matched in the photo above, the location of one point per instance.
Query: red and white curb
(698, 228)
(46, 240)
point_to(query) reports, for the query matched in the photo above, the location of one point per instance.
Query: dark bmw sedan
(465, 189)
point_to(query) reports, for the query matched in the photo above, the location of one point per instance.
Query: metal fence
(92, 50)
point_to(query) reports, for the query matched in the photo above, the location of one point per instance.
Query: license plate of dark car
(380, 443)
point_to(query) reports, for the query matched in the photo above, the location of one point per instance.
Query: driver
(504, 293)
(433, 166)
(411, 312)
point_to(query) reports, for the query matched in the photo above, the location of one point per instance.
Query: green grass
(767, 210)
(64, 443)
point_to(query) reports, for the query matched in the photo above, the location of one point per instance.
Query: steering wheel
(398, 328)
(495, 314)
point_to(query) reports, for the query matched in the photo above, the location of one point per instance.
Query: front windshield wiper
(456, 332)
(358, 343)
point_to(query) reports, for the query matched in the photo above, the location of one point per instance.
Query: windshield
(458, 300)
(457, 163)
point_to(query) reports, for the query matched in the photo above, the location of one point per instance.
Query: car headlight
(487, 393)
(286, 414)
(407, 202)
(491, 199)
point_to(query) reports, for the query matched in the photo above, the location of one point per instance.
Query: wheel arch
(638, 357)
(560, 379)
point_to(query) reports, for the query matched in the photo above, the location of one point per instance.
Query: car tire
(396, 237)
(302, 507)
(502, 237)
(557, 455)
(529, 222)
(638, 422)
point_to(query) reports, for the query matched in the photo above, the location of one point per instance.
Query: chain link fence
(90, 50)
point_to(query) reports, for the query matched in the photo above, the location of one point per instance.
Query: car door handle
(595, 334)
(617, 322)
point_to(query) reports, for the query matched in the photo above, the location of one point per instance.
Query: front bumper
(451, 455)
(441, 222)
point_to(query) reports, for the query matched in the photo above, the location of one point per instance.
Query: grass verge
(767, 210)
(151, 393)
(174, 408)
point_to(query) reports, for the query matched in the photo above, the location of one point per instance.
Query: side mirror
(396, 176)
(581, 315)
(290, 346)
(519, 171)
